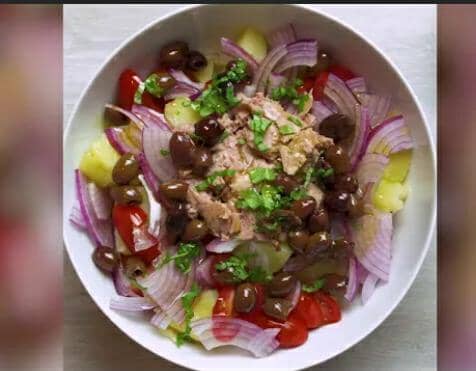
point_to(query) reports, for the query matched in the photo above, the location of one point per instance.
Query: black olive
(337, 126)
(164, 80)
(303, 207)
(287, 219)
(355, 207)
(323, 62)
(337, 201)
(334, 282)
(285, 181)
(202, 161)
(277, 308)
(319, 242)
(115, 118)
(340, 248)
(174, 190)
(245, 298)
(319, 221)
(209, 130)
(298, 239)
(134, 267)
(338, 159)
(125, 195)
(346, 182)
(281, 284)
(195, 230)
(125, 169)
(174, 55)
(182, 149)
(196, 61)
(104, 258)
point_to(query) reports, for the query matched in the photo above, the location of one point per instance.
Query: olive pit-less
(125, 169)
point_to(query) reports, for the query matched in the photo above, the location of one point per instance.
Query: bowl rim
(429, 233)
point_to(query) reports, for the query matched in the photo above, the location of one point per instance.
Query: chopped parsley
(184, 256)
(324, 173)
(295, 120)
(261, 174)
(263, 200)
(151, 85)
(187, 302)
(258, 126)
(210, 180)
(317, 285)
(291, 94)
(286, 130)
(219, 97)
(241, 141)
(237, 265)
(164, 152)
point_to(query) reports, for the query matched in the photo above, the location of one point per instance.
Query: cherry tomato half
(224, 304)
(125, 219)
(129, 81)
(307, 85)
(309, 310)
(329, 307)
(341, 72)
(319, 85)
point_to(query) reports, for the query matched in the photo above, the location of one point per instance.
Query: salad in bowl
(244, 197)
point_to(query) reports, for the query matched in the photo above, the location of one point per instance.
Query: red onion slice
(371, 168)
(181, 89)
(338, 92)
(155, 209)
(99, 230)
(219, 247)
(155, 140)
(149, 178)
(237, 332)
(232, 49)
(77, 218)
(368, 287)
(131, 304)
(142, 239)
(101, 201)
(181, 77)
(203, 273)
(389, 137)
(320, 111)
(299, 53)
(357, 85)
(282, 35)
(131, 116)
(160, 319)
(261, 76)
(377, 105)
(118, 140)
(362, 129)
(275, 81)
(352, 284)
(294, 295)
(121, 282)
(372, 235)
(149, 116)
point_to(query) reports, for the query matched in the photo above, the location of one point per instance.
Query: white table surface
(407, 339)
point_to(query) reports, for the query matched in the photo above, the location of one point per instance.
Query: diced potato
(170, 333)
(322, 267)
(390, 196)
(267, 252)
(398, 166)
(206, 73)
(203, 304)
(98, 161)
(180, 115)
(254, 43)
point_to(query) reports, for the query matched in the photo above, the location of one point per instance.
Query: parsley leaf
(317, 285)
(264, 200)
(187, 302)
(286, 130)
(259, 275)
(164, 152)
(261, 174)
(295, 121)
(291, 94)
(324, 173)
(184, 256)
(210, 180)
(151, 85)
(258, 126)
(237, 265)
(219, 97)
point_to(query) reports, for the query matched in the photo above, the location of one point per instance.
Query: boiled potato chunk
(206, 73)
(266, 252)
(180, 114)
(254, 43)
(390, 196)
(98, 161)
(168, 332)
(398, 166)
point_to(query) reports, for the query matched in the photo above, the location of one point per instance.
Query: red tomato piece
(129, 81)
(319, 85)
(155, 103)
(307, 85)
(329, 307)
(224, 303)
(213, 272)
(309, 310)
(341, 72)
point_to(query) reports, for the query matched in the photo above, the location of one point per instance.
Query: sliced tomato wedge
(319, 85)
(129, 81)
(329, 307)
(309, 310)
(307, 85)
(224, 304)
(341, 72)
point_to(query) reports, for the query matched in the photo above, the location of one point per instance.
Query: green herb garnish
(261, 174)
(286, 130)
(187, 302)
(317, 285)
(258, 126)
(295, 121)
(210, 180)
(241, 141)
(324, 173)
(151, 85)
(164, 152)
(264, 200)
(291, 94)
(219, 97)
(184, 256)
(138, 93)
(237, 265)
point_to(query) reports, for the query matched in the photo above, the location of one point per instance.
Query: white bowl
(202, 26)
